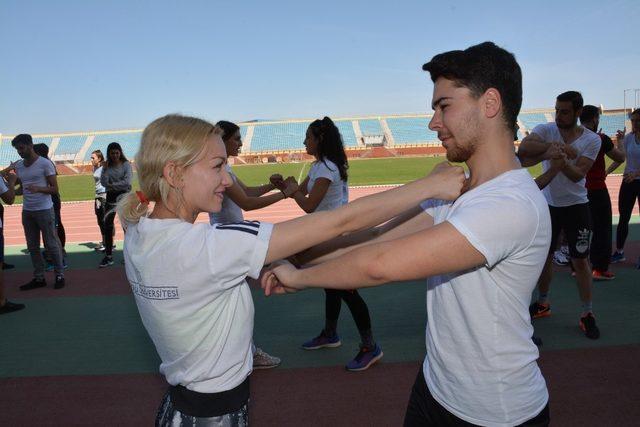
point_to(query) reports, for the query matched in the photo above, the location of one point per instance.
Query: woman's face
(233, 144)
(204, 182)
(115, 155)
(311, 143)
(95, 160)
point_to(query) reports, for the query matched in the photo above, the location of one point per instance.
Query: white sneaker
(263, 360)
(560, 258)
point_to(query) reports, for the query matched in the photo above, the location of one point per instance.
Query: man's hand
(279, 278)
(277, 181)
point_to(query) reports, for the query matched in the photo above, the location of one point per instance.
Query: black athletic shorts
(575, 221)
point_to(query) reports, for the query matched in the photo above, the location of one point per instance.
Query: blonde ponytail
(176, 138)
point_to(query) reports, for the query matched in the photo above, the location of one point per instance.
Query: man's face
(456, 118)
(566, 116)
(24, 150)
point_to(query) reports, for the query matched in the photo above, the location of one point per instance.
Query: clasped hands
(288, 186)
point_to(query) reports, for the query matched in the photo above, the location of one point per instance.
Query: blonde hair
(174, 138)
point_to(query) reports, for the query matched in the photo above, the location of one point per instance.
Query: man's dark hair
(41, 150)
(635, 112)
(572, 96)
(23, 138)
(482, 67)
(589, 113)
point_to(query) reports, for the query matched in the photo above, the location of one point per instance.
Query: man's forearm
(573, 173)
(543, 180)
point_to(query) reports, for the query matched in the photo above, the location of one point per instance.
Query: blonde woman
(197, 308)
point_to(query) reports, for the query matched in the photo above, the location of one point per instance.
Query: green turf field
(396, 170)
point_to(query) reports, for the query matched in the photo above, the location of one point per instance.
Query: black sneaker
(588, 325)
(6, 266)
(59, 282)
(10, 307)
(33, 284)
(106, 262)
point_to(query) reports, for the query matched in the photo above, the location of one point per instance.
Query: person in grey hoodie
(116, 178)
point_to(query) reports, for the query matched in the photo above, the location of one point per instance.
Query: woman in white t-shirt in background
(325, 189)
(97, 161)
(239, 197)
(188, 279)
(630, 188)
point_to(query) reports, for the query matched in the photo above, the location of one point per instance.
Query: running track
(80, 222)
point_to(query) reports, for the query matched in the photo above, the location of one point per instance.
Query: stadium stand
(370, 127)
(70, 144)
(412, 130)
(274, 138)
(130, 141)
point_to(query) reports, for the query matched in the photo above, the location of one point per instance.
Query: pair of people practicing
(481, 363)
(325, 188)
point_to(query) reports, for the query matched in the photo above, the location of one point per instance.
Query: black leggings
(600, 206)
(629, 193)
(109, 218)
(99, 208)
(356, 305)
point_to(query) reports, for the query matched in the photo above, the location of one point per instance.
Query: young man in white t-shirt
(566, 193)
(38, 178)
(482, 254)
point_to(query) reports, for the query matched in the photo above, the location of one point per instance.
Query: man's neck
(30, 159)
(571, 134)
(493, 157)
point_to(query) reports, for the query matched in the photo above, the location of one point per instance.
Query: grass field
(361, 172)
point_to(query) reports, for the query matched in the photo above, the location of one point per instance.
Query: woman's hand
(447, 180)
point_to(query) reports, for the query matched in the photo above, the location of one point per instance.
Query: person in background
(630, 187)
(116, 178)
(43, 151)
(239, 197)
(598, 194)
(37, 176)
(325, 189)
(97, 161)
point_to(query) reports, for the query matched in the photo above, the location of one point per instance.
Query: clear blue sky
(113, 64)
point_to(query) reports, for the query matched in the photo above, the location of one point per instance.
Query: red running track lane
(80, 222)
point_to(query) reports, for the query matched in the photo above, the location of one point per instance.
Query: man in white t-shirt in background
(37, 176)
(482, 254)
(566, 193)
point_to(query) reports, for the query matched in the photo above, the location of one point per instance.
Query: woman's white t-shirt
(632, 149)
(230, 212)
(338, 191)
(189, 284)
(481, 362)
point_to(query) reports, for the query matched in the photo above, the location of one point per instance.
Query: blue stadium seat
(279, 136)
(70, 144)
(611, 123)
(412, 130)
(531, 120)
(370, 127)
(129, 141)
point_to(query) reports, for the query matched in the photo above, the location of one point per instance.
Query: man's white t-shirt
(36, 174)
(230, 212)
(481, 362)
(338, 191)
(189, 283)
(561, 191)
(3, 189)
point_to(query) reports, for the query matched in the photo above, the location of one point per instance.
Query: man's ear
(492, 102)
